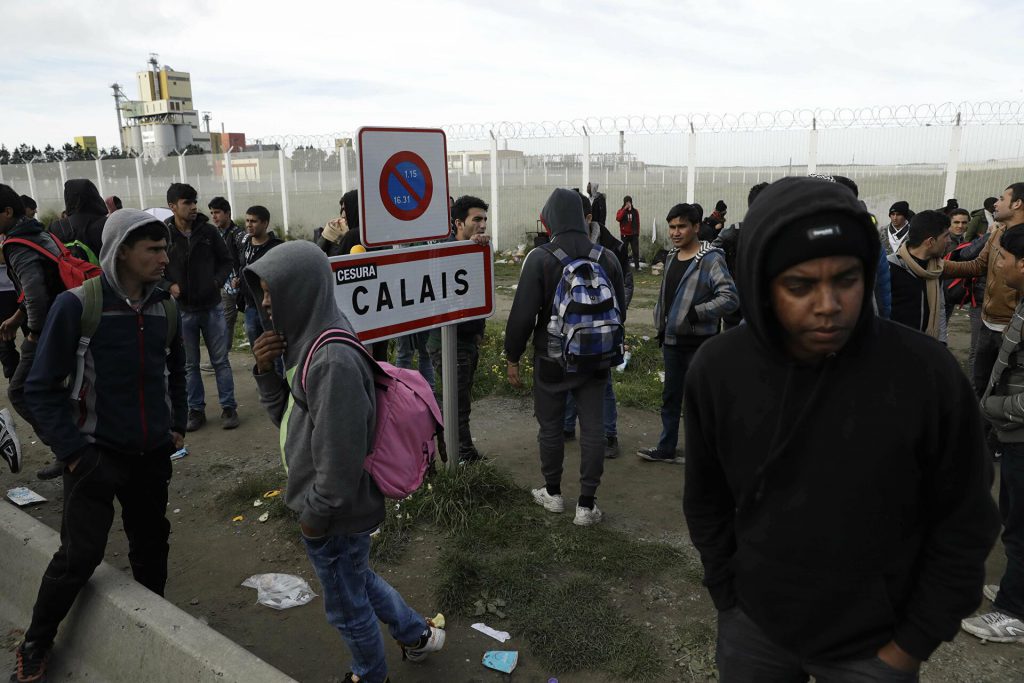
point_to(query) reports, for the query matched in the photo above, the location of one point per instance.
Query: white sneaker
(434, 642)
(990, 591)
(550, 503)
(996, 627)
(10, 447)
(587, 516)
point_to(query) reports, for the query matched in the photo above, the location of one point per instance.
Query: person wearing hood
(842, 535)
(982, 219)
(199, 265)
(893, 234)
(916, 270)
(696, 292)
(598, 204)
(728, 240)
(86, 212)
(325, 438)
(115, 439)
(38, 280)
(563, 216)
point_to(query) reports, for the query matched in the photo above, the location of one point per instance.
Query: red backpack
(73, 271)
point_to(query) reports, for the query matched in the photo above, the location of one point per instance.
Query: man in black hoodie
(86, 215)
(199, 265)
(842, 535)
(530, 314)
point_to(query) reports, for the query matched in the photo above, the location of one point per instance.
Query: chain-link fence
(921, 154)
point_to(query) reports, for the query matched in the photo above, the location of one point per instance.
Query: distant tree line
(23, 154)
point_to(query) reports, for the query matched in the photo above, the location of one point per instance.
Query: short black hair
(462, 205)
(260, 212)
(118, 204)
(958, 212)
(990, 203)
(688, 212)
(8, 197)
(1018, 192)
(219, 204)
(627, 198)
(926, 224)
(154, 230)
(179, 191)
(28, 202)
(754, 191)
(1013, 241)
(587, 207)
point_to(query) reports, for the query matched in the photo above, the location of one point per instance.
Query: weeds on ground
(238, 500)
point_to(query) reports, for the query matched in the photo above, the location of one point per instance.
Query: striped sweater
(1003, 401)
(706, 287)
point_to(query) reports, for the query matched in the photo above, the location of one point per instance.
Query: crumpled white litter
(500, 636)
(280, 591)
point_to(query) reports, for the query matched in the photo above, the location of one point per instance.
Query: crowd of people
(838, 469)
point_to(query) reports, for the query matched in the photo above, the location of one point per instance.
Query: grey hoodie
(563, 216)
(117, 228)
(323, 448)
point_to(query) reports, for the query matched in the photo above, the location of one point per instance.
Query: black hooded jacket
(199, 264)
(86, 215)
(845, 504)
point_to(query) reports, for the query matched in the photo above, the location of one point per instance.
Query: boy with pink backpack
(351, 433)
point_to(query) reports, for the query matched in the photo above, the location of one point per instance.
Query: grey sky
(266, 68)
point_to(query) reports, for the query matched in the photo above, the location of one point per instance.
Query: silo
(133, 138)
(182, 135)
(163, 139)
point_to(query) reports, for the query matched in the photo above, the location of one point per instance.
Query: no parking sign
(403, 181)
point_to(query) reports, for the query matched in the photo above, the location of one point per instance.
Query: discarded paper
(22, 496)
(500, 636)
(501, 660)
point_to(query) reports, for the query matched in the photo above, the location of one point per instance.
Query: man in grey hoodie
(325, 437)
(563, 217)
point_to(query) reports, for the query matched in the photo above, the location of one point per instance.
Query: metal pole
(138, 177)
(99, 176)
(228, 179)
(954, 158)
(812, 148)
(63, 173)
(284, 190)
(691, 166)
(181, 167)
(450, 394)
(31, 179)
(492, 214)
(343, 158)
(585, 180)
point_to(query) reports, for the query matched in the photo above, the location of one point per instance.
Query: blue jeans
(355, 598)
(611, 413)
(1011, 504)
(253, 329)
(411, 344)
(215, 332)
(677, 362)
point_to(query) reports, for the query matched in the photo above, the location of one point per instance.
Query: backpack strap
(90, 255)
(92, 311)
(329, 336)
(35, 246)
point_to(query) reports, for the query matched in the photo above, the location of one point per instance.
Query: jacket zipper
(142, 374)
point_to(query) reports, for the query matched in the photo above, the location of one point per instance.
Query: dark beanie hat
(829, 233)
(720, 206)
(901, 207)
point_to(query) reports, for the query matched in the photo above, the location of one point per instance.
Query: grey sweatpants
(549, 406)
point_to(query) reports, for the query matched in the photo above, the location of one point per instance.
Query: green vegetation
(238, 500)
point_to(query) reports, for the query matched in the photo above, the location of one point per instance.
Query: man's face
(184, 210)
(31, 213)
(817, 303)
(255, 227)
(222, 219)
(682, 232)
(958, 224)
(937, 246)
(475, 224)
(1009, 266)
(898, 220)
(144, 261)
(265, 304)
(1005, 207)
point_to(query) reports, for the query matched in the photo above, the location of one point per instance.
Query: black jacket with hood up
(531, 308)
(840, 505)
(86, 215)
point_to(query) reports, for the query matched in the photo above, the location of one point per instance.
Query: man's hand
(268, 348)
(310, 532)
(480, 239)
(235, 282)
(73, 464)
(178, 440)
(175, 290)
(898, 658)
(9, 327)
(513, 375)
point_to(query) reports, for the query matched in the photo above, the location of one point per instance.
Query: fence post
(812, 148)
(31, 179)
(138, 177)
(343, 160)
(63, 165)
(585, 180)
(284, 190)
(492, 214)
(465, 163)
(691, 166)
(228, 178)
(99, 176)
(181, 167)
(954, 158)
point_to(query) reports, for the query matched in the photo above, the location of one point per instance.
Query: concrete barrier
(117, 630)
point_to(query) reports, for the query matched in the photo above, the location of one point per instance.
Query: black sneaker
(10, 447)
(31, 663)
(196, 419)
(51, 471)
(228, 418)
(611, 447)
(467, 455)
(655, 454)
(569, 435)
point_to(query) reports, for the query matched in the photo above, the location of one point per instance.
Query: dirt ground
(211, 555)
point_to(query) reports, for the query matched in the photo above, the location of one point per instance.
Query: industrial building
(163, 120)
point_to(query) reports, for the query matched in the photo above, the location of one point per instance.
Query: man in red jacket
(629, 228)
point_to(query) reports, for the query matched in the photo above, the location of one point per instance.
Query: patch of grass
(693, 651)
(239, 498)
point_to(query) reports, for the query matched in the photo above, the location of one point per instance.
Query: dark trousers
(975, 315)
(1011, 504)
(632, 242)
(467, 358)
(550, 388)
(985, 354)
(677, 362)
(16, 384)
(746, 655)
(139, 482)
(8, 349)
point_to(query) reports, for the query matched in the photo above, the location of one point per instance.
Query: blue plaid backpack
(585, 330)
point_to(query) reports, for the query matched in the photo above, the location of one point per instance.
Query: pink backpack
(408, 418)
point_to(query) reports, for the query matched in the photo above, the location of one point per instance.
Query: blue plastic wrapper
(501, 660)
